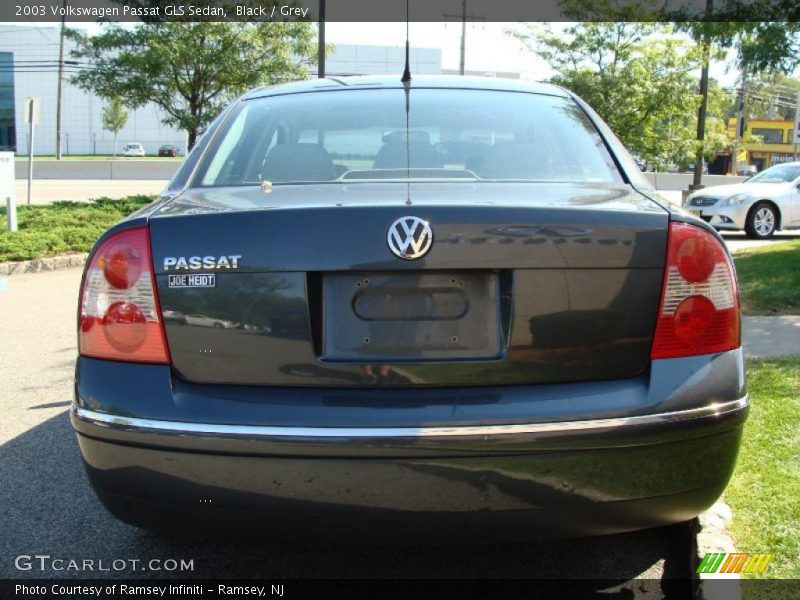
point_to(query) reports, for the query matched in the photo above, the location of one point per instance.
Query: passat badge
(195, 263)
(195, 280)
(410, 238)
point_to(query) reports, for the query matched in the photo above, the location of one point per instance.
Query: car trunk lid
(523, 283)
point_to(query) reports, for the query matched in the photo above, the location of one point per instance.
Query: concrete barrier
(65, 169)
(144, 169)
(98, 169)
(165, 169)
(682, 181)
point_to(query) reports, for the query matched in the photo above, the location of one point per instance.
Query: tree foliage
(114, 118)
(764, 34)
(190, 70)
(114, 115)
(772, 95)
(765, 47)
(640, 78)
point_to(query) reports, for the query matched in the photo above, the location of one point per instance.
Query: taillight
(119, 314)
(699, 312)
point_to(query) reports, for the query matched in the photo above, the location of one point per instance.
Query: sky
(488, 48)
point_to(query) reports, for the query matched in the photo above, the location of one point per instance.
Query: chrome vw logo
(410, 238)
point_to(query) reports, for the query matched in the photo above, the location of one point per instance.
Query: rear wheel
(762, 221)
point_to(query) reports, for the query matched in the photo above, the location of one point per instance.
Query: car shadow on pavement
(47, 507)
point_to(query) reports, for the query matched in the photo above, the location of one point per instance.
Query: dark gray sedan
(452, 309)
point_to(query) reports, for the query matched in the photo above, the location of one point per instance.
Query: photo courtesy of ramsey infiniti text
(446, 309)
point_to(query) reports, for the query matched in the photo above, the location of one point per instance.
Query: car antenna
(406, 79)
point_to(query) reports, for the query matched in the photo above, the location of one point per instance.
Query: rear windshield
(427, 134)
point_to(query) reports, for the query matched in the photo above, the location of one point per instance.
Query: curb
(711, 535)
(52, 263)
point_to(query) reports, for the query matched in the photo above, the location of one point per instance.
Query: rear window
(429, 134)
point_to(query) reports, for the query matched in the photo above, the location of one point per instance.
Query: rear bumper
(462, 481)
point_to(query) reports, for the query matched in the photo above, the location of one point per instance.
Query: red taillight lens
(119, 312)
(699, 312)
(696, 258)
(122, 265)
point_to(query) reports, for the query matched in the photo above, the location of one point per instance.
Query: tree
(772, 95)
(638, 76)
(114, 118)
(191, 70)
(764, 32)
(761, 47)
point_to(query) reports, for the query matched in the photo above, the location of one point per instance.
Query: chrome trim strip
(249, 431)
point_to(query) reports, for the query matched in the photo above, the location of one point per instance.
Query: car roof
(417, 81)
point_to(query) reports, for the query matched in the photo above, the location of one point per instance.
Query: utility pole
(796, 132)
(701, 118)
(463, 36)
(321, 41)
(739, 121)
(464, 17)
(703, 110)
(60, 81)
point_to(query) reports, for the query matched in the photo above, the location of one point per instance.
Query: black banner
(333, 589)
(387, 589)
(27, 11)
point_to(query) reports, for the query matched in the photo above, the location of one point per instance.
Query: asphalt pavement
(45, 191)
(48, 508)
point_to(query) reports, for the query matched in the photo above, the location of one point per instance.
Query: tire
(762, 221)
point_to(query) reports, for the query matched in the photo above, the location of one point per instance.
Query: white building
(29, 67)
(348, 59)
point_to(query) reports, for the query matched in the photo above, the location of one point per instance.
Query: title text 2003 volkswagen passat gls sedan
(447, 309)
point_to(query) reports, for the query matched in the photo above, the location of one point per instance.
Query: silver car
(761, 205)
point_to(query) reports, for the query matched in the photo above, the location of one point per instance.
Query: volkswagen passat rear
(452, 309)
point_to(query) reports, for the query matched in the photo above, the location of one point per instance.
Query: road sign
(7, 187)
(31, 110)
(31, 118)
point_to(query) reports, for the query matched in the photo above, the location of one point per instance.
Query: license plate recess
(407, 317)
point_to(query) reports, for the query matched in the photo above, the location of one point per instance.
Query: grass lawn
(765, 491)
(50, 229)
(769, 278)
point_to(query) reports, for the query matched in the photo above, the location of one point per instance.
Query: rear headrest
(511, 160)
(393, 156)
(413, 136)
(298, 162)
